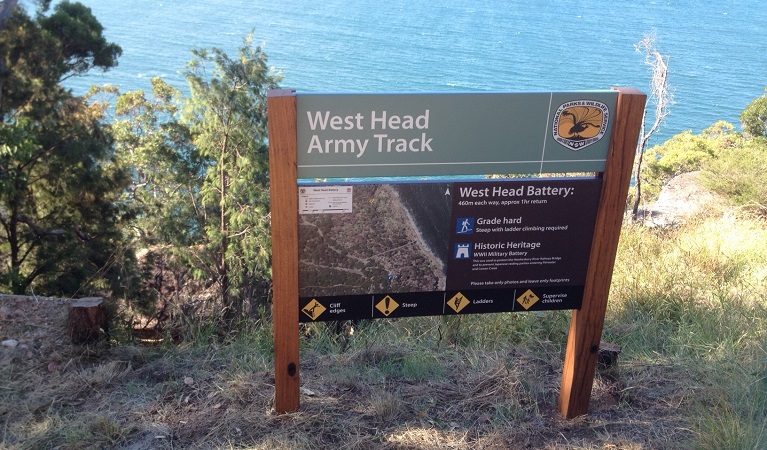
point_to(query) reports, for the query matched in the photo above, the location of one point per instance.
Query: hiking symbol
(464, 225)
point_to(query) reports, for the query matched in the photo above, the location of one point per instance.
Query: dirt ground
(58, 395)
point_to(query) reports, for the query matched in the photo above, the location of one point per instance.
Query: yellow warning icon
(387, 306)
(527, 299)
(314, 309)
(458, 302)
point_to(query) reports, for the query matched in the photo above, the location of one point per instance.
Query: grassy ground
(688, 308)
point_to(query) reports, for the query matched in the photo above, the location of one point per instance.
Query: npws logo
(580, 123)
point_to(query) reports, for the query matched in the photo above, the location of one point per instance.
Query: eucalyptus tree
(59, 220)
(754, 117)
(200, 181)
(226, 115)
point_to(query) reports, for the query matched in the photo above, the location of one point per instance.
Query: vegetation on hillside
(733, 163)
(180, 182)
(688, 306)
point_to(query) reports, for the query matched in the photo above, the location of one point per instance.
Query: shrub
(686, 152)
(741, 174)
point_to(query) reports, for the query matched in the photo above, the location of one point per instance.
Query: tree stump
(607, 358)
(86, 322)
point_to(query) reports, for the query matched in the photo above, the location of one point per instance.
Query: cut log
(87, 322)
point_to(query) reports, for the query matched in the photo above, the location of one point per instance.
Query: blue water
(718, 50)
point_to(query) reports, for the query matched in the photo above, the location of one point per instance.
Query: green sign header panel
(385, 135)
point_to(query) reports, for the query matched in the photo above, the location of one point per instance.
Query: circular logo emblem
(580, 123)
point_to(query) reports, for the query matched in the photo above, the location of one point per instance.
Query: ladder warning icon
(387, 306)
(458, 302)
(313, 309)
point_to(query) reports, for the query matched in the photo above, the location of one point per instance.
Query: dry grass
(406, 395)
(688, 307)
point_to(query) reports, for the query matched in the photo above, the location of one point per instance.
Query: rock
(10, 343)
(681, 199)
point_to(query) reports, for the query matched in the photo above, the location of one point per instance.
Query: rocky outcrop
(681, 199)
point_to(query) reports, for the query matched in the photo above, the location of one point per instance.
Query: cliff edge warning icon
(580, 123)
(313, 309)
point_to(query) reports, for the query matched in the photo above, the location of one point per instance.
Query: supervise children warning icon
(580, 123)
(527, 299)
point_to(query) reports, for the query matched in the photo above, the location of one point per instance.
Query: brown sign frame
(587, 322)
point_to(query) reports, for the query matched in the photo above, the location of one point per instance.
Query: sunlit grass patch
(694, 298)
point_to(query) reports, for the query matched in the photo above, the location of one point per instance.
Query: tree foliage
(59, 214)
(200, 184)
(686, 152)
(165, 166)
(754, 117)
(733, 164)
(741, 174)
(226, 115)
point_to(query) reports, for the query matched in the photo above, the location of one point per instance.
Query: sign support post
(347, 130)
(283, 190)
(587, 322)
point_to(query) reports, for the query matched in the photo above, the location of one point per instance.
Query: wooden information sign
(372, 243)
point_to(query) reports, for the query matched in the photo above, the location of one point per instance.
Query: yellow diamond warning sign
(313, 309)
(387, 306)
(527, 299)
(458, 302)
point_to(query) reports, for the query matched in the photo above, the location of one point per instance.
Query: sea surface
(717, 50)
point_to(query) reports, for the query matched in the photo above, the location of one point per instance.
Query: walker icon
(462, 251)
(464, 225)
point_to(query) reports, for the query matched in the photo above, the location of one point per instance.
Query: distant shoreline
(425, 248)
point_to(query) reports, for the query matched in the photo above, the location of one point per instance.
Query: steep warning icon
(387, 306)
(313, 309)
(527, 299)
(458, 302)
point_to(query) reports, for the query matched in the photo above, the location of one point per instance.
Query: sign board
(499, 245)
(472, 246)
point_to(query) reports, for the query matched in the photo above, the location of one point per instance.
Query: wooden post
(586, 324)
(281, 106)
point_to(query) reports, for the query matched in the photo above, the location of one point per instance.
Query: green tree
(754, 117)
(686, 152)
(163, 195)
(200, 184)
(59, 182)
(226, 115)
(741, 174)
(166, 166)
